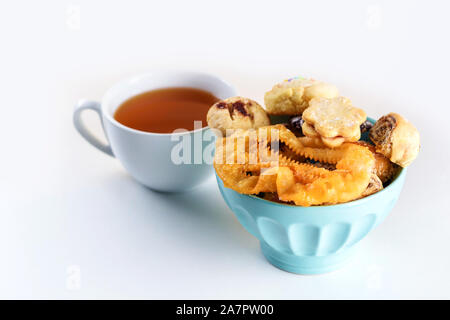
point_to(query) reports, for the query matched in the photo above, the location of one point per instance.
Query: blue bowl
(311, 240)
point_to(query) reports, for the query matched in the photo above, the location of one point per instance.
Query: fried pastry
(273, 196)
(396, 138)
(302, 183)
(236, 113)
(383, 168)
(375, 183)
(292, 96)
(374, 186)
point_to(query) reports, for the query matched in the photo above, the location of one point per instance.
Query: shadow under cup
(163, 162)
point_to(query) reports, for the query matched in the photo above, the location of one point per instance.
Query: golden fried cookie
(335, 117)
(236, 113)
(396, 138)
(383, 168)
(374, 186)
(291, 97)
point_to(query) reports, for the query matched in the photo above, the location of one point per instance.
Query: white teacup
(148, 157)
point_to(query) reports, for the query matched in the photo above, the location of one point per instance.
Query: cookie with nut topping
(292, 96)
(236, 113)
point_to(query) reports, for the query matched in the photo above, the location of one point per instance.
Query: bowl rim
(399, 175)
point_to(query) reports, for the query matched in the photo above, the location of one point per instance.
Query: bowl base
(307, 264)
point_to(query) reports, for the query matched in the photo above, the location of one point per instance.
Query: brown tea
(164, 110)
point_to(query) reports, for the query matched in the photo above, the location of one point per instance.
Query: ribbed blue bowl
(312, 240)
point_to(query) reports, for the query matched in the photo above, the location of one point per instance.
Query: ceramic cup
(148, 157)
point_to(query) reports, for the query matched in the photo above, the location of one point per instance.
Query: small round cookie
(396, 138)
(292, 96)
(236, 113)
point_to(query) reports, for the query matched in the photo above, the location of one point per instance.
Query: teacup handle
(82, 129)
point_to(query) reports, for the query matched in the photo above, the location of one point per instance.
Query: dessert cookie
(291, 97)
(308, 130)
(334, 120)
(396, 138)
(333, 142)
(236, 113)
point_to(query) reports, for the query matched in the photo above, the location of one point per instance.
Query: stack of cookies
(334, 121)
(326, 115)
(292, 96)
(319, 112)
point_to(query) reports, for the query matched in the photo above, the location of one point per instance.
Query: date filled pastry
(236, 113)
(396, 138)
(292, 96)
(374, 186)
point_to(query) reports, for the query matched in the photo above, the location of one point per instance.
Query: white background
(73, 224)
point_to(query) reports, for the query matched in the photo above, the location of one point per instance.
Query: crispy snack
(334, 120)
(272, 196)
(302, 183)
(383, 168)
(396, 138)
(327, 166)
(236, 113)
(291, 97)
(374, 186)
(314, 186)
